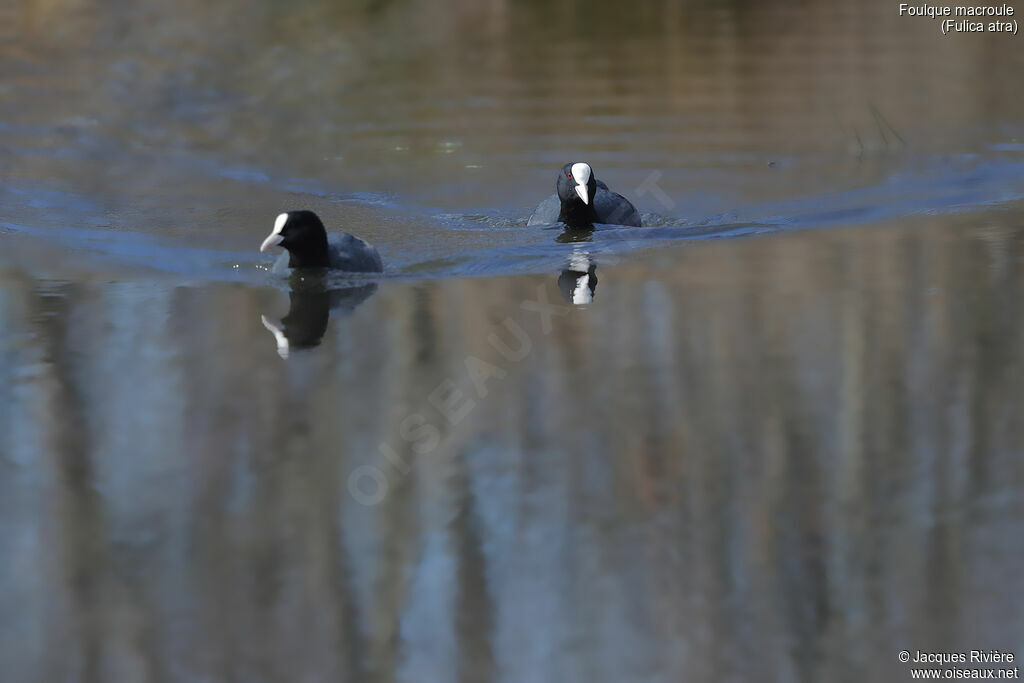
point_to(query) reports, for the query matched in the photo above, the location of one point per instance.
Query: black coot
(580, 200)
(308, 245)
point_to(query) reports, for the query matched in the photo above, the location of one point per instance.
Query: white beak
(581, 190)
(581, 174)
(275, 237)
(272, 241)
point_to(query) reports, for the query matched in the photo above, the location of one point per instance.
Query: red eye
(569, 176)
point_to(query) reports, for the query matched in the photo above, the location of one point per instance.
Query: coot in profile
(307, 245)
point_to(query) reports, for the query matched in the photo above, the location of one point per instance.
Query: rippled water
(774, 435)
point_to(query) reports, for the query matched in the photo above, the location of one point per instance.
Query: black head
(303, 235)
(576, 188)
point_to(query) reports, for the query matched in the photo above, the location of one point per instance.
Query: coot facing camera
(580, 200)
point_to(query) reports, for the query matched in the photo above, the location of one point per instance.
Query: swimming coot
(580, 200)
(308, 245)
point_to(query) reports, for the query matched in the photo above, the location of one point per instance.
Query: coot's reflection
(578, 287)
(310, 304)
(578, 281)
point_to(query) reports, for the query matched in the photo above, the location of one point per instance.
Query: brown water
(779, 438)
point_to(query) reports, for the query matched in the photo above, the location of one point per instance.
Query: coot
(308, 245)
(580, 200)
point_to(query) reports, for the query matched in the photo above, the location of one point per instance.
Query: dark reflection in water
(578, 281)
(573, 236)
(310, 303)
(769, 459)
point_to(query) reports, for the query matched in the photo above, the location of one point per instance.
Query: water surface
(772, 436)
